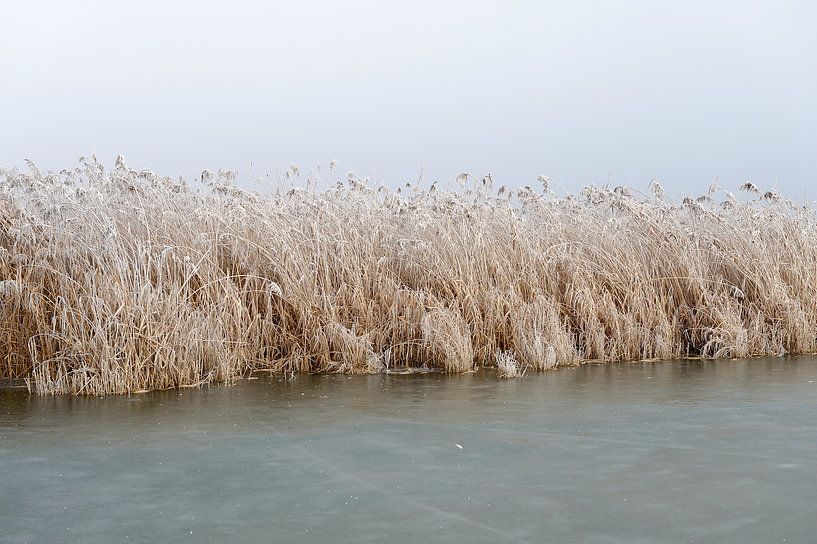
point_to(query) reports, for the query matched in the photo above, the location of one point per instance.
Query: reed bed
(118, 281)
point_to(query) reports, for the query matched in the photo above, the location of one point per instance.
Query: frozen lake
(683, 451)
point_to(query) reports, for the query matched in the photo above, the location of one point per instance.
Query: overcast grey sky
(582, 91)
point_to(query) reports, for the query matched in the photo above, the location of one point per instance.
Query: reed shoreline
(117, 280)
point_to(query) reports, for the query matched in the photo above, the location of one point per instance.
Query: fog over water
(584, 92)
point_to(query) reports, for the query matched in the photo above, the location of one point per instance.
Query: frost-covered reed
(119, 280)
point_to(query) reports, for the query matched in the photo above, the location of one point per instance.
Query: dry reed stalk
(115, 281)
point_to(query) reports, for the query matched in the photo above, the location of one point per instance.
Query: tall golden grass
(122, 280)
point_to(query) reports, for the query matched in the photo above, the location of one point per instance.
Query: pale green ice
(683, 451)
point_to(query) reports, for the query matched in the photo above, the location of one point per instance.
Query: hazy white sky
(581, 91)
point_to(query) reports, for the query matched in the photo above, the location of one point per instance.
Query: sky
(585, 92)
